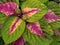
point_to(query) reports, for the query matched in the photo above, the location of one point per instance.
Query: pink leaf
(20, 41)
(35, 28)
(51, 16)
(8, 8)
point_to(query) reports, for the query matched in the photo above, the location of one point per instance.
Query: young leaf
(12, 29)
(34, 9)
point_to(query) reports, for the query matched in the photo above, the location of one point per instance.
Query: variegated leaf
(19, 41)
(12, 29)
(51, 16)
(34, 39)
(35, 28)
(46, 27)
(34, 10)
(8, 8)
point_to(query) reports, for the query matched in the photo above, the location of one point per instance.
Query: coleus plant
(28, 23)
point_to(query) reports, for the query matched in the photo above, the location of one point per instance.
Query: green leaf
(55, 25)
(56, 38)
(2, 18)
(35, 4)
(54, 6)
(46, 27)
(43, 1)
(2, 21)
(35, 39)
(17, 1)
(7, 35)
(26, 43)
(55, 43)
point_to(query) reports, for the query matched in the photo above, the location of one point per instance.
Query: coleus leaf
(55, 25)
(16, 1)
(56, 38)
(57, 32)
(52, 19)
(2, 18)
(2, 21)
(55, 43)
(43, 1)
(33, 39)
(26, 43)
(54, 6)
(8, 8)
(12, 29)
(20, 41)
(51, 16)
(34, 10)
(35, 28)
(46, 27)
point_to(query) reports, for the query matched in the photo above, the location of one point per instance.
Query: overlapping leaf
(46, 27)
(51, 16)
(34, 4)
(8, 8)
(11, 31)
(44, 1)
(35, 39)
(2, 18)
(2, 21)
(56, 38)
(55, 25)
(35, 28)
(54, 6)
(20, 41)
(55, 43)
